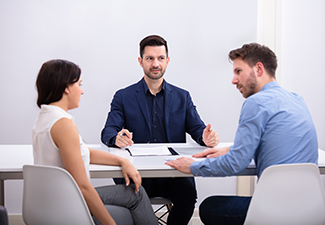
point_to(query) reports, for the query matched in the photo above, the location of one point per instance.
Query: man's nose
(234, 80)
(155, 63)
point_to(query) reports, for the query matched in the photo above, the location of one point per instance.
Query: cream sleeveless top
(44, 149)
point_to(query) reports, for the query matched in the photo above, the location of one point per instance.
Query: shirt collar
(270, 85)
(146, 89)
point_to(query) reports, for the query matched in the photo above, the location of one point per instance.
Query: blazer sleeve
(182, 117)
(114, 122)
(194, 124)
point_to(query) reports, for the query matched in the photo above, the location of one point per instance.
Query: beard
(250, 87)
(155, 76)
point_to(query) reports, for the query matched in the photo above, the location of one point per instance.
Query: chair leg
(160, 218)
(169, 207)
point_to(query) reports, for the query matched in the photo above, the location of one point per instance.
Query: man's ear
(140, 61)
(259, 69)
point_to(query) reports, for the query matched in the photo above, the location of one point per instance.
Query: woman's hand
(129, 171)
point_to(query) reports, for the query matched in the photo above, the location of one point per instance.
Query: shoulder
(131, 88)
(64, 125)
(254, 106)
(64, 131)
(175, 89)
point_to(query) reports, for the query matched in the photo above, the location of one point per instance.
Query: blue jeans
(225, 210)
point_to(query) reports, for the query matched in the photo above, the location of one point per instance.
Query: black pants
(224, 210)
(181, 191)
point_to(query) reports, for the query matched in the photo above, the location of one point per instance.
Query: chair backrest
(52, 197)
(288, 194)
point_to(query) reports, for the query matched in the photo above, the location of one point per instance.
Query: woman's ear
(66, 90)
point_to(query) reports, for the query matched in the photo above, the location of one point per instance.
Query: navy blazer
(129, 110)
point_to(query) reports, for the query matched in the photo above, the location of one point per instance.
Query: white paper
(162, 150)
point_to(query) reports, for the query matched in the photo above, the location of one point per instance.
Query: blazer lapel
(168, 106)
(141, 98)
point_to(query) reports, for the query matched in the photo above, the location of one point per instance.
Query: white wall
(102, 37)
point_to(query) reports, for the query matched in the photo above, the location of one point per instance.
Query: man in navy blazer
(154, 111)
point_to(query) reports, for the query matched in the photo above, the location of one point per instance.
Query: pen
(128, 151)
(124, 134)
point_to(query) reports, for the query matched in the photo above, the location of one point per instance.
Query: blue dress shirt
(275, 127)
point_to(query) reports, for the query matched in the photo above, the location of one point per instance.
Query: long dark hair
(53, 77)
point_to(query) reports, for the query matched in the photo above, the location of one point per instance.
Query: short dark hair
(253, 53)
(152, 40)
(53, 77)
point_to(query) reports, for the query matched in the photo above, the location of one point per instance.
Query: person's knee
(205, 206)
(185, 194)
(141, 195)
(142, 192)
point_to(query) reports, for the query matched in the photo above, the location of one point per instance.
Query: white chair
(288, 194)
(52, 197)
(163, 202)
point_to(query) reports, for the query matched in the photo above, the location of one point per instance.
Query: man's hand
(212, 152)
(181, 164)
(210, 137)
(124, 138)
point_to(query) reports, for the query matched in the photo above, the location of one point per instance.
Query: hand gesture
(210, 137)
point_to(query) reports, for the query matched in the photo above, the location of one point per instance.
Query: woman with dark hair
(56, 142)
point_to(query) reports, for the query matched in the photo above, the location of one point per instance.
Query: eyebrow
(164, 56)
(236, 69)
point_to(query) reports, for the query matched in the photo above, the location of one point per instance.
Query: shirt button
(155, 139)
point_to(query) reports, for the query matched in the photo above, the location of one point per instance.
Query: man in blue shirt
(154, 111)
(275, 127)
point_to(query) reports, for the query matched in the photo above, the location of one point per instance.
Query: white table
(13, 157)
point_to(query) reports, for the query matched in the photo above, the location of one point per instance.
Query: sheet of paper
(162, 150)
(174, 157)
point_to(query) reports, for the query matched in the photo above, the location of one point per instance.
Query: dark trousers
(3, 216)
(181, 191)
(225, 210)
